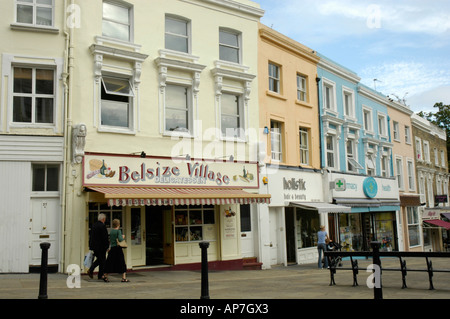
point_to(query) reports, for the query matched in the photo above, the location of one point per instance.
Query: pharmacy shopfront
(375, 206)
(296, 211)
(167, 206)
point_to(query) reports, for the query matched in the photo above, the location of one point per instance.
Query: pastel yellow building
(162, 104)
(288, 99)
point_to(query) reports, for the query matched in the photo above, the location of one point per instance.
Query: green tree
(441, 118)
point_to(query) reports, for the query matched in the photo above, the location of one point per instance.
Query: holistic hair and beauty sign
(116, 170)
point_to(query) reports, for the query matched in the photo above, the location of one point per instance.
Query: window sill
(116, 130)
(303, 103)
(33, 28)
(276, 95)
(178, 134)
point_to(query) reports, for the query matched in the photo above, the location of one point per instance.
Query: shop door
(274, 227)
(137, 234)
(159, 242)
(368, 233)
(44, 227)
(290, 235)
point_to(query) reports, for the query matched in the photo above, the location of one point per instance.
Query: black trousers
(100, 261)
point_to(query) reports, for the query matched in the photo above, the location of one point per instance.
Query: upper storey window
(35, 12)
(177, 34)
(229, 46)
(117, 21)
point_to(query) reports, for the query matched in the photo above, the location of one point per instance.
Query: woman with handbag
(115, 263)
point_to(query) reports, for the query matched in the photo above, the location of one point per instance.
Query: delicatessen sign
(109, 170)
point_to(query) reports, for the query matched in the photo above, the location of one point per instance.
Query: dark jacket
(99, 239)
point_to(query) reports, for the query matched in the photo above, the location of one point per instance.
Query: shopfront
(374, 206)
(296, 212)
(167, 206)
(436, 228)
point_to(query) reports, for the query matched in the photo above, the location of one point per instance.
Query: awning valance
(321, 207)
(438, 222)
(154, 196)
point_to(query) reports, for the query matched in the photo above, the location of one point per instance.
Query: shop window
(413, 226)
(307, 226)
(45, 178)
(111, 213)
(117, 21)
(33, 95)
(193, 223)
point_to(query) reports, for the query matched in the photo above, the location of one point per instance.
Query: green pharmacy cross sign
(339, 184)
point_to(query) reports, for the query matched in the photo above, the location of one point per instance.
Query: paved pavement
(279, 283)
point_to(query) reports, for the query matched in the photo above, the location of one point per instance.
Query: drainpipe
(320, 123)
(68, 66)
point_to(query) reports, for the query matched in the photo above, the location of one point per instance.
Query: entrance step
(251, 263)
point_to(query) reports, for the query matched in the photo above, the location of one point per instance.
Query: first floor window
(33, 95)
(304, 146)
(351, 165)
(384, 166)
(413, 226)
(117, 97)
(45, 178)
(274, 78)
(331, 148)
(301, 88)
(276, 141)
(370, 165)
(35, 12)
(231, 115)
(177, 108)
(410, 168)
(399, 172)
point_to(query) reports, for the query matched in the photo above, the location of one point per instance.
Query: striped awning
(153, 196)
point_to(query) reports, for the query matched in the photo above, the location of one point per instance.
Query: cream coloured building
(162, 104)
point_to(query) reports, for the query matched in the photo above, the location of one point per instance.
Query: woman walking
(322, 238)
(115, 263)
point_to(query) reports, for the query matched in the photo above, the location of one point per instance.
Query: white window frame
(46, 191)
(352, 157)
(34, 24)
(189, 107)
(407, 134)
(384, 165)
(419, 153)
(304, 149)
(436, 156)
(329, 101)
(426, 151)
(274, 78)
(130, 24)
(9, 61)
(443, 164)
(332, 151)
(130, 105)
(349, 111)
(411, 174)
(302, 88)
(382, 125)
(396, 131)
(188, 35)
(413, 220)
(399, 172)
(240, 115)
(370, 164)
(238, 34)
(276, 154)
(368, 123)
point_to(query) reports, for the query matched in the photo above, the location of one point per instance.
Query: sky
(403, 44)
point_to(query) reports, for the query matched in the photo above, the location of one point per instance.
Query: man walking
(99, 243)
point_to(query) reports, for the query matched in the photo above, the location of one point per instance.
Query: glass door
(137, 236)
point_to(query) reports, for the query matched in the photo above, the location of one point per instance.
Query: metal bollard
(205, 286)
(44, 271)
(377, 292)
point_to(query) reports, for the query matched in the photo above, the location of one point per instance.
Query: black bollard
(44, 271)
(377, 291)
(205, 286)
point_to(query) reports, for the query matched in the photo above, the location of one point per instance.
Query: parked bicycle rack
(376, 254)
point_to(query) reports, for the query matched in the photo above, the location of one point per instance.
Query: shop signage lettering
(116, 170)
(294, 184)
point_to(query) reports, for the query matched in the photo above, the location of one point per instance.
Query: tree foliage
(441, 118)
